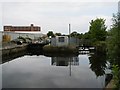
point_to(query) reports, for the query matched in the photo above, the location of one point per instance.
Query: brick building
(22, 28)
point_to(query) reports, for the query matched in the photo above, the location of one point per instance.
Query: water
(53, 72)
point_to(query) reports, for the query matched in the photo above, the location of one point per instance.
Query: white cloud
(0, 16)
(56, 16)
(59, 0)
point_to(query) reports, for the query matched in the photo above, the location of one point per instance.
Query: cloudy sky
(56, 15)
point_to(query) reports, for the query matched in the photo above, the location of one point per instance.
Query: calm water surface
(51, 72)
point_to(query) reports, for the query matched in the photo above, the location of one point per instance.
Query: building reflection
(65, 61)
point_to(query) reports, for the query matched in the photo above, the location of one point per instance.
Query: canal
(58, 71)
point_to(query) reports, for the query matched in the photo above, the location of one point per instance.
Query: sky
(119, 6)
(55, 15)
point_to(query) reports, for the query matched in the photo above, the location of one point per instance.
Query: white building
(60, 41)
(64, 41)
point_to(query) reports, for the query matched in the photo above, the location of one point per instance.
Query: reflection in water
(98, 63)
(11, 57)
(42, 74)
(65, 61)
(100, 66)
(36, 72)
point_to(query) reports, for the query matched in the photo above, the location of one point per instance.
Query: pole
(70, 65)
(69, 32)
(69, 29)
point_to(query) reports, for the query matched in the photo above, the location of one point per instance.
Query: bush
(100, 46)
(116, 76)
(62, 49)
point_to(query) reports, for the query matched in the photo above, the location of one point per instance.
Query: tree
(113, 45)
(58, 34)
(97, 30)
(86, 36)
(76, 35)
(50, 33)
(113, 42)
(73, 34)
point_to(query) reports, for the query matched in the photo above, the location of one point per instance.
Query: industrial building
(22, 28)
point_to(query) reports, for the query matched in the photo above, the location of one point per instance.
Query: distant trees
(58, 34)
(76, 35)
(97, 32)
(86, 35)
(50, 33)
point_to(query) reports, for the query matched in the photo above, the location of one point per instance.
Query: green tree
(76, 35)
(113, 45)
(58, 34)
(97, 30)
(113, 42)
(86, 35)
(116, 76)
(50, 33)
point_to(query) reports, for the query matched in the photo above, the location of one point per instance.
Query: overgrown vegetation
(113, 47)
(116, 76)
(58, 49)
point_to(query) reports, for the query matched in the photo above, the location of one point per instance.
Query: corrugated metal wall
(71, 41)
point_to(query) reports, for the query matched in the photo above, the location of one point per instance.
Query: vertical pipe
(69, 29)
(69, 32)
(70, 65)
(118, 7)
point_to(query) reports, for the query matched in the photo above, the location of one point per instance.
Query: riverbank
(13, 49)
(10, 49)
(110, 85)
(60, 49)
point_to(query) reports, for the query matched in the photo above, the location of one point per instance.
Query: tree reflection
(98, 63)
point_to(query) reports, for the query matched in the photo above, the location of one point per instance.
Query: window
(61, 39)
